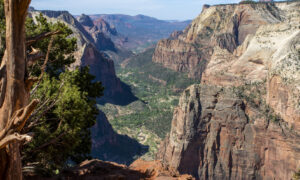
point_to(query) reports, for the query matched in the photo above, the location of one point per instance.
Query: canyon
(242, 121)
(140, 31)
(221, 96)
(98, 47)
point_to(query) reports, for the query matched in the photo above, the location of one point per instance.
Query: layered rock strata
(243, 121)
(216, 135)
(224, 26)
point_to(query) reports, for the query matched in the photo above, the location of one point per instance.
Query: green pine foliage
(61, 123)
(61, 52)
(68, 102)
(62, 133)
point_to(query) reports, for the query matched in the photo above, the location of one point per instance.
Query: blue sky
(161, 9)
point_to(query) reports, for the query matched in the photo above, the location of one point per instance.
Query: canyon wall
(243, 121)
(216, 135)
(88, 51)
(225, 26)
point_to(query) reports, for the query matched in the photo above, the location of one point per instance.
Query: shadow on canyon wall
(107, 145)
(121, 98)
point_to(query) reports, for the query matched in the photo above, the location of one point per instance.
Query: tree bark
(16, 93)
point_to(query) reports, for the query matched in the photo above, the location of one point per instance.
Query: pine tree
(67, 110)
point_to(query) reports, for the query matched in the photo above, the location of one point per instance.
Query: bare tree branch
(42, 36)
(19, 119)
(47, 104)
(14, 137)
(44, 66)
(35, 55)
(47, 56)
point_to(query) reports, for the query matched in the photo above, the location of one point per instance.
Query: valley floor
(148, 119)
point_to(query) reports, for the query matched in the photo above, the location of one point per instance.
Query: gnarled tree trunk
(14, 90)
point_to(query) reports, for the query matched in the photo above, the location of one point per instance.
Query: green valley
(148, 119)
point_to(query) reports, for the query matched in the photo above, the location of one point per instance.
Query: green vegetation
(297, 175)
(149, 119)
(254, 94)
(61, 125)
(248, 2)
(67, 110)
(62, 48)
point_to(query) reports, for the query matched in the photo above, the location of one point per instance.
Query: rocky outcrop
(85, 20)
(176, 55)
(82, 36)
(216, 135)
(104, 27)
(100, 31)
(271, 55)
(105, 38)
(224, 26)
(96, 169)
(102, 68)
(243, 121)
(102, 170)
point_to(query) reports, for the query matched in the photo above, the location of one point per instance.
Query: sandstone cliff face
(85, 20)
(105, 38)
(225, 26)
(243, 121)
(100, 31)
(271, 55)
(215, 135)
(103, 68)
(103, 26)
(101, 170)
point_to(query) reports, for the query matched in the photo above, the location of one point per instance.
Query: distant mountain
(140, 31)
(105, 37)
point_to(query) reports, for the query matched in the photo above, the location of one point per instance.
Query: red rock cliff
(225, 26)
(215, 135)
(243, 121)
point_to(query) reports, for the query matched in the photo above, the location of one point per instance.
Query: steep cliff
(243, 121)
(105, 38)
(271, 55)
(103, 68)
(217, 135)
(100, 31)
(225, 26)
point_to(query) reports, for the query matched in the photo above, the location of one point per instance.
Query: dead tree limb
(42, 36)
(43, 66)
(14, 137)
(35, 55)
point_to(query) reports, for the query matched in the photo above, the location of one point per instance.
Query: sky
(161, 9)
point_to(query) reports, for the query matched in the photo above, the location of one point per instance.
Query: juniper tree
(36, 64)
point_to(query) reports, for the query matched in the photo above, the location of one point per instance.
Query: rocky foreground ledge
(101, 170)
